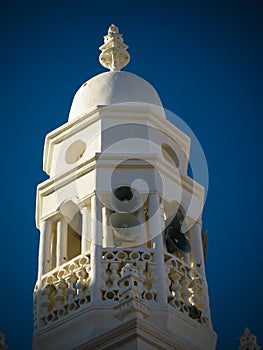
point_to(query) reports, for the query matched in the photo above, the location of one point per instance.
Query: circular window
(75, 152)
(170, 155)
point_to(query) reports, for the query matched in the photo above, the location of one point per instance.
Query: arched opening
(72, 215)
(176, 238)
(74, 237)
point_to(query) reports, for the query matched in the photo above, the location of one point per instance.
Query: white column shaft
(44, 257)
(186, 258)
(197, 256)
(85, 239)
(197, 259)
(141, 218)
(95, 250)
(107, 232)
(62, 241)
(156, 234)
(44, 248)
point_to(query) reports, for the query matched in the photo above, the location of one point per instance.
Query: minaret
(248, 341)
(121, 261)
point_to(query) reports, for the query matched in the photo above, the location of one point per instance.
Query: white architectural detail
(120, 258)
(248, 341)
(131, 303)
(122, 87)
(114, 55)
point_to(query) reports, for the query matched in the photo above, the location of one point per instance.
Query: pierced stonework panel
(63, 290)
(127, 276)
(187, 290)
(113, 264)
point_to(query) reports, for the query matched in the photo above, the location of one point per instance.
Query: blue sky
(205, 60)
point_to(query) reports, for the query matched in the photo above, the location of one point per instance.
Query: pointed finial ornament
(248, 341)
(114, 55)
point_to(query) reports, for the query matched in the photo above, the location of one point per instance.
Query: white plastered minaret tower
(121, 262)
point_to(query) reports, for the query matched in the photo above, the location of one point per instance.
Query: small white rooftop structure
(113, 87)
(248, 341)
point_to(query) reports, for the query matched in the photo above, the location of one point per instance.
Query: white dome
(111, 88)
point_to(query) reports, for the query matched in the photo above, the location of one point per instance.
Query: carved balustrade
(67, 288)
(62, 291)
(114, 260)
(187, 291)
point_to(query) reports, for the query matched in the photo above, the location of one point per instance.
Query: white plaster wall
(89, 136)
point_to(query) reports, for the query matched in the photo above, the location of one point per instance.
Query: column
(44, 248)
(197, 259)
(62, 241)
(197, 256)
(44, 259)
(107, 232)
(186, 258)
(143, 235)
(84, 230)
(156, 234)
(95, 249)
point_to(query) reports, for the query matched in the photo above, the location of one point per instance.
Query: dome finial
(114, 55)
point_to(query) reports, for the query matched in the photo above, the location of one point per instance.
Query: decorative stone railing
(67, 288)
(114, 261)
(62, 291)
(187, 290)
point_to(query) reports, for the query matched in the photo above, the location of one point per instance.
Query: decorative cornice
(122, 114)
